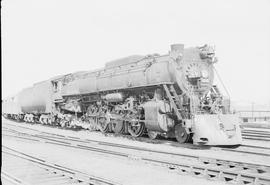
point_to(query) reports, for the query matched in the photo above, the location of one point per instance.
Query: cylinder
(155, 117)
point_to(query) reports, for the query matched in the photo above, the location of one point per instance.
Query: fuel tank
(11, 106)
(36, 99)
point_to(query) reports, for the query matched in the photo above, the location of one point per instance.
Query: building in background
(249, 116)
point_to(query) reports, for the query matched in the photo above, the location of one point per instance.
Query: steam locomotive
(169, 95)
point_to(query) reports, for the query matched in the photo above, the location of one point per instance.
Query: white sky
(45, 38)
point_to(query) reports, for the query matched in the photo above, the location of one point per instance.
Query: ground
(124, 171)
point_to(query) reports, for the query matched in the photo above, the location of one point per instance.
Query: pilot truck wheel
(180, 133)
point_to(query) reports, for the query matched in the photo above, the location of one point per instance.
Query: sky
(46, 38)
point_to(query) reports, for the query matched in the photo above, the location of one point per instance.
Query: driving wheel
(103, 125)
(136, 129)
(118, 126)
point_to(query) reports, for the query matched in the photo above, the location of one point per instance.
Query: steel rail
(52, 169)
(244, 136)
(209, 168)
(256, 138)
(54, 141)
(256, 131)
(256, 134)
(237, 150)
(70, 138)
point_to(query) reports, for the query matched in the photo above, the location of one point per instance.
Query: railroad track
(22, 168)
(251, 149)
(246, 149)
(249, 134)
(263, 135)
(210, 168)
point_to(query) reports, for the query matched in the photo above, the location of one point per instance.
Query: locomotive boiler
(169, 95)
